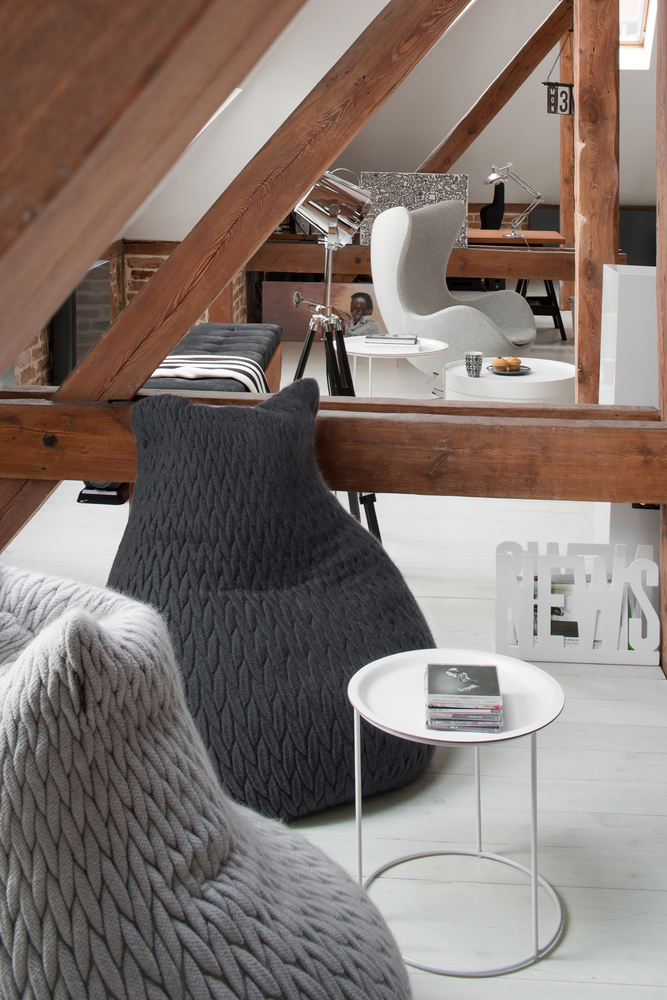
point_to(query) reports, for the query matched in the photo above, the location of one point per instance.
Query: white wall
(413, 121)
(315, 39)
(458, 69)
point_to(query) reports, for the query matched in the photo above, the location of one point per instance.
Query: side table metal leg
(533, 838)
(357, 791)
(478, 791)
(370, 376)
(537, 953)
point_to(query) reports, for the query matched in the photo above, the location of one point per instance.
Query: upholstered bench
(259, 342)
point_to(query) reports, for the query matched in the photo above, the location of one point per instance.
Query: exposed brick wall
(93, 308)
(139, 269)
(239, 299)
(117, 300)
(33, 366)
(511, 212)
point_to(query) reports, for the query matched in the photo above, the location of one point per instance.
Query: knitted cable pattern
(273, 594)
(125, 872)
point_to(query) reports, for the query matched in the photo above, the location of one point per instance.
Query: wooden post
(566, 75)
(661, 291)
(596, 103)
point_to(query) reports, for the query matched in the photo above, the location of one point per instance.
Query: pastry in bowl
(499, 364)
(513, 364)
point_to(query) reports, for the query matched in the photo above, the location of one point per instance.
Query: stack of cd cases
(463, 697)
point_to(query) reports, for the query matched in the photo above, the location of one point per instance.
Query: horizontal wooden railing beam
(379, 404)
(306, 257)
(456, 454)
(472, 262)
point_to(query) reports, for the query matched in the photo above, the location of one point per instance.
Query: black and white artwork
(412, 191)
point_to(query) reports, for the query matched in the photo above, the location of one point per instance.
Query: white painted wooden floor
(602, 765)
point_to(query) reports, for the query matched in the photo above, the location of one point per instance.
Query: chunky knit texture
(274, 597)
(125, 872)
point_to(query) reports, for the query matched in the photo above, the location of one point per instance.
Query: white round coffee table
(389, 694)
(357, 347)
(547, 382)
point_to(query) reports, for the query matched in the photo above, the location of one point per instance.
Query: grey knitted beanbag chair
(125, 872)
(273, 594)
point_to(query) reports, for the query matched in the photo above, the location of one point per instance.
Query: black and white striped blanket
(249, 372)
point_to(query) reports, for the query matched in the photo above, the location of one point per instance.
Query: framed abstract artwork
(411, 191)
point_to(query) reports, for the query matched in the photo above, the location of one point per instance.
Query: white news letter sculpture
(607, 598)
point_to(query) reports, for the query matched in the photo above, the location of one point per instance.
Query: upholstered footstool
(258, 342)
(125, 871)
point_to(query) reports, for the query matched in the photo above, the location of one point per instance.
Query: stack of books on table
(463, 697)
(389, 339)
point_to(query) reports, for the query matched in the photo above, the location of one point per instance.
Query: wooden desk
(503, 237)
(542, 305)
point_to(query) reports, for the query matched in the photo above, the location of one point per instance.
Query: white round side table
(357, 347)
(389, 694)
(547, 382)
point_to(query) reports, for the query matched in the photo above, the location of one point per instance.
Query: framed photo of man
(290, 304)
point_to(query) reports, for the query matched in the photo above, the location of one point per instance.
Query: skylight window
(636, 30)
(633, 16)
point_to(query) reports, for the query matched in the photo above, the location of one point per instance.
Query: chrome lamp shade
(335, 208)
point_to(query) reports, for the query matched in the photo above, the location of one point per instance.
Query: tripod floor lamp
(335, 208)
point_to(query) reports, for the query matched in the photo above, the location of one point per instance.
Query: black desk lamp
(507, 174)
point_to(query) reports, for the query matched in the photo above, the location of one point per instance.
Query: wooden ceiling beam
(596, 130)
(99, 105)
(260, 197)
(434, 453)
(494, 99)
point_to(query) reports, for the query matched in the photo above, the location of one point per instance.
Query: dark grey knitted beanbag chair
(125, 872)
(274, 597)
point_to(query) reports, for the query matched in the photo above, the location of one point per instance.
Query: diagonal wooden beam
(494, 99)
(596, 128)
(20, 499)
(263, 194)
(99, 105)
